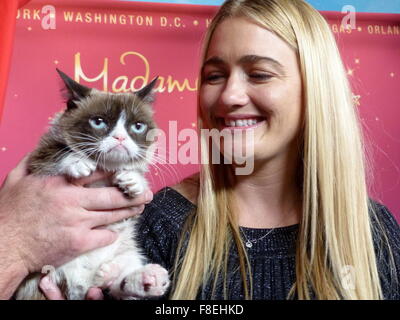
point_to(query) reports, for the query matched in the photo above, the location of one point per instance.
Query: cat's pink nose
(119, 138)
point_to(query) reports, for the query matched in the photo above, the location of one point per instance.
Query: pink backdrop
(122, 42)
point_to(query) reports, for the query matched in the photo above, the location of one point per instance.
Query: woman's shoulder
(383, 218)
(189, 187)
(171, 205)
(385, 228)
(386, 235)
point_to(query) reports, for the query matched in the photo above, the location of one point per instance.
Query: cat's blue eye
(98, 123)
(139, 127)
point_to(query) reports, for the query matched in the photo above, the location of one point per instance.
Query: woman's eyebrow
(247, 59)
(213, 61)
(255, 58)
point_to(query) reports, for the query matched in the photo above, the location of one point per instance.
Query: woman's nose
(235, 92)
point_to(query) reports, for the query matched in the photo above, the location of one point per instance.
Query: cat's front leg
(132, 183)
(76, 166)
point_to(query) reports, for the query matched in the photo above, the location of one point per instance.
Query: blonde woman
(301, 225)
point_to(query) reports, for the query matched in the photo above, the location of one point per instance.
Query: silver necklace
(249, 242)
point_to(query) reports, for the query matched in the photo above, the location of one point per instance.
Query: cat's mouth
(119, 148)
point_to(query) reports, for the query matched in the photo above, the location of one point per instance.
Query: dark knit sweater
(272, 258)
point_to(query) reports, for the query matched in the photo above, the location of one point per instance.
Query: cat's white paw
(76, 167)
(149, 281)
(106, 275)
(81, 169)
(131, 183)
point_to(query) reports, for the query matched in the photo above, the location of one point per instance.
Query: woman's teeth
(241, 123)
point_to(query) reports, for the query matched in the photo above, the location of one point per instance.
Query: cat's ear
(75, 91)
(147, 93)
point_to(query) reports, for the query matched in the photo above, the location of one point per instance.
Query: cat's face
(109, 128)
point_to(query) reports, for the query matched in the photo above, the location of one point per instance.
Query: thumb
(20, 170)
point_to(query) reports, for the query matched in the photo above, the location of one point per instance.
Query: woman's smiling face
(251, 81)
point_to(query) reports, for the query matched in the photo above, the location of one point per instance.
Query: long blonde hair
(335, 229)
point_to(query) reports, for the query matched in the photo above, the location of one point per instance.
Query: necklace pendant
(249, 244)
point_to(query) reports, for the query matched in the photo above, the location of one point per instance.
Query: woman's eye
(139, 127)
(98, 123)
(214, 77)
(260, 76)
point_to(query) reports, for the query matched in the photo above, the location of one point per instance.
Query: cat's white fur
(122, 262)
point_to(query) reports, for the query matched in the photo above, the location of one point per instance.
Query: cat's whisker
(82, 147)
(164, 151)
(84, 136)
(104, 159)
(164, 161)
(171, 171)
(97, 158)
(161, 174)
(85, 140)
(101, 160)
(91, 151)
(82, 156)
(62, 153)
(81, 152)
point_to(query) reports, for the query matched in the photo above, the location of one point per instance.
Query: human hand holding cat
(49, 221)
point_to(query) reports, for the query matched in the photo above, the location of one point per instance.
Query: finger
(110, 198)
(108, 217)
(94, 177)
(94, 294)
(50, 289)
